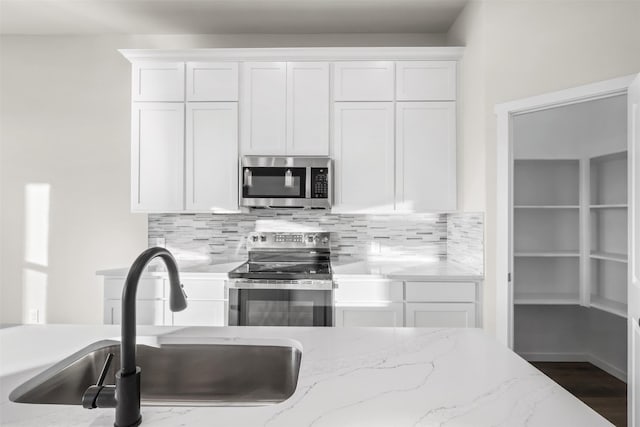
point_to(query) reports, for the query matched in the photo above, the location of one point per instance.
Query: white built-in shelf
(546, 299)
(609, 256)
(551, 254)
(546, 207)
(611, 206)
(610, 306)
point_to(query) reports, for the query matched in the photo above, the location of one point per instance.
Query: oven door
(265, 186)
(280, 307)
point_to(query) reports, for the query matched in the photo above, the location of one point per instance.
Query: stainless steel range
(287, 281)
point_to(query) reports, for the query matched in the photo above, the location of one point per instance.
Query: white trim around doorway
(504, 244)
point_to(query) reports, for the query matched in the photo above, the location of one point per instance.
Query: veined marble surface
(391, 377)
(344, 267)
(404, 269)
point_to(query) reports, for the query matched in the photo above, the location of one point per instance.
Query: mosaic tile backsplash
(214, 237)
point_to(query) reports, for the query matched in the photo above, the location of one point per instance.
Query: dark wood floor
(606, 394)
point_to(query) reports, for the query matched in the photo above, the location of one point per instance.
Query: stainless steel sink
(176, 374)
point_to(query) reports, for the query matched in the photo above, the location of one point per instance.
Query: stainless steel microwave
(286, 182)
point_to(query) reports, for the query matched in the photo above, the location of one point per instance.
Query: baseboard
(577, 357)
(554, 357)
(607, 367)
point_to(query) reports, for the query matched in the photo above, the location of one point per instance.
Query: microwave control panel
(319, 183)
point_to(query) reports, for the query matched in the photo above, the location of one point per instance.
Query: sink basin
(176, 374)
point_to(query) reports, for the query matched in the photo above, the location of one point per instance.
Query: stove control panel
(288, 240)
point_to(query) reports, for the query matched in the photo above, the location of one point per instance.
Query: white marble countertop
(346, 267)
(348, 377)
(404, 269)
(187, 269)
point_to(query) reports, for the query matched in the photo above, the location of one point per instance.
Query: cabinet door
(363, 81)
(200, 313)
(426, 156)
(212, 156)
(264, 103)
(441, 315)
(158, 81)
(391, 314)
(157, 152)
(426, 81)
(363, 156)
(308, 108)
(212, 81)
(148, 312)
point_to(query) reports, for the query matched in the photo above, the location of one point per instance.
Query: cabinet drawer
(363, 81)
(441, 315)
(440, 291)
(373, 291)
(199, 313)
(204, 289)
(148, 288)
(212, 81)
(426, 80)
(384, 315)
(158, 81)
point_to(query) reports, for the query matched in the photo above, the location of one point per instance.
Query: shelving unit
(570, 232)
(608, 232)
(546, 231)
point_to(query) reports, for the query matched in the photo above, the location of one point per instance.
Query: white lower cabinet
(424, 304)
(199, 313)
(148, 312)
(389, 314)
(441, 315)
(206, 302)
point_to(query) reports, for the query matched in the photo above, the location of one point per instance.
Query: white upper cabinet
(212, 156)
(285, 108)
(363, 81)
(212, 81)
(425, 80)
(264, 103)
(157, 157)
(363, 153)
(158, 82)
(425, 156)
(308, 108)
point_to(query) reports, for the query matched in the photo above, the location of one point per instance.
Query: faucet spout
(127, 388)
(177, 302)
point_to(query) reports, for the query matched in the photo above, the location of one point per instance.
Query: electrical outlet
(34, 316)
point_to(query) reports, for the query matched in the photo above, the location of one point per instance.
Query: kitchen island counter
(348, 377)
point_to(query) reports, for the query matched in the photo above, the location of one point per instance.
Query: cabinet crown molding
(296, 54)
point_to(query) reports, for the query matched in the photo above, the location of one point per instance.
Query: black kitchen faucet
(125, 394)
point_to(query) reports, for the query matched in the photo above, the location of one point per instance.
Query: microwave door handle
(307, 183)
(248, 178)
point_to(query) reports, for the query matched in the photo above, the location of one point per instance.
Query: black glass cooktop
(283, 270)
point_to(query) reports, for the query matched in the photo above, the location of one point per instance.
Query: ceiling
(226, 16)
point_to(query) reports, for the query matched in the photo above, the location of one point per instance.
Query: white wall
(587, 129)
(65, 122)
(533, 47)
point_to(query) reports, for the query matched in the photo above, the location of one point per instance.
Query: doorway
(562, 258)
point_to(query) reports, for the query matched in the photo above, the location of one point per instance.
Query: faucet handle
(105, 369)
(92, 397)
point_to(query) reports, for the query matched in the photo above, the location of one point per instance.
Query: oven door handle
(287, 286)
